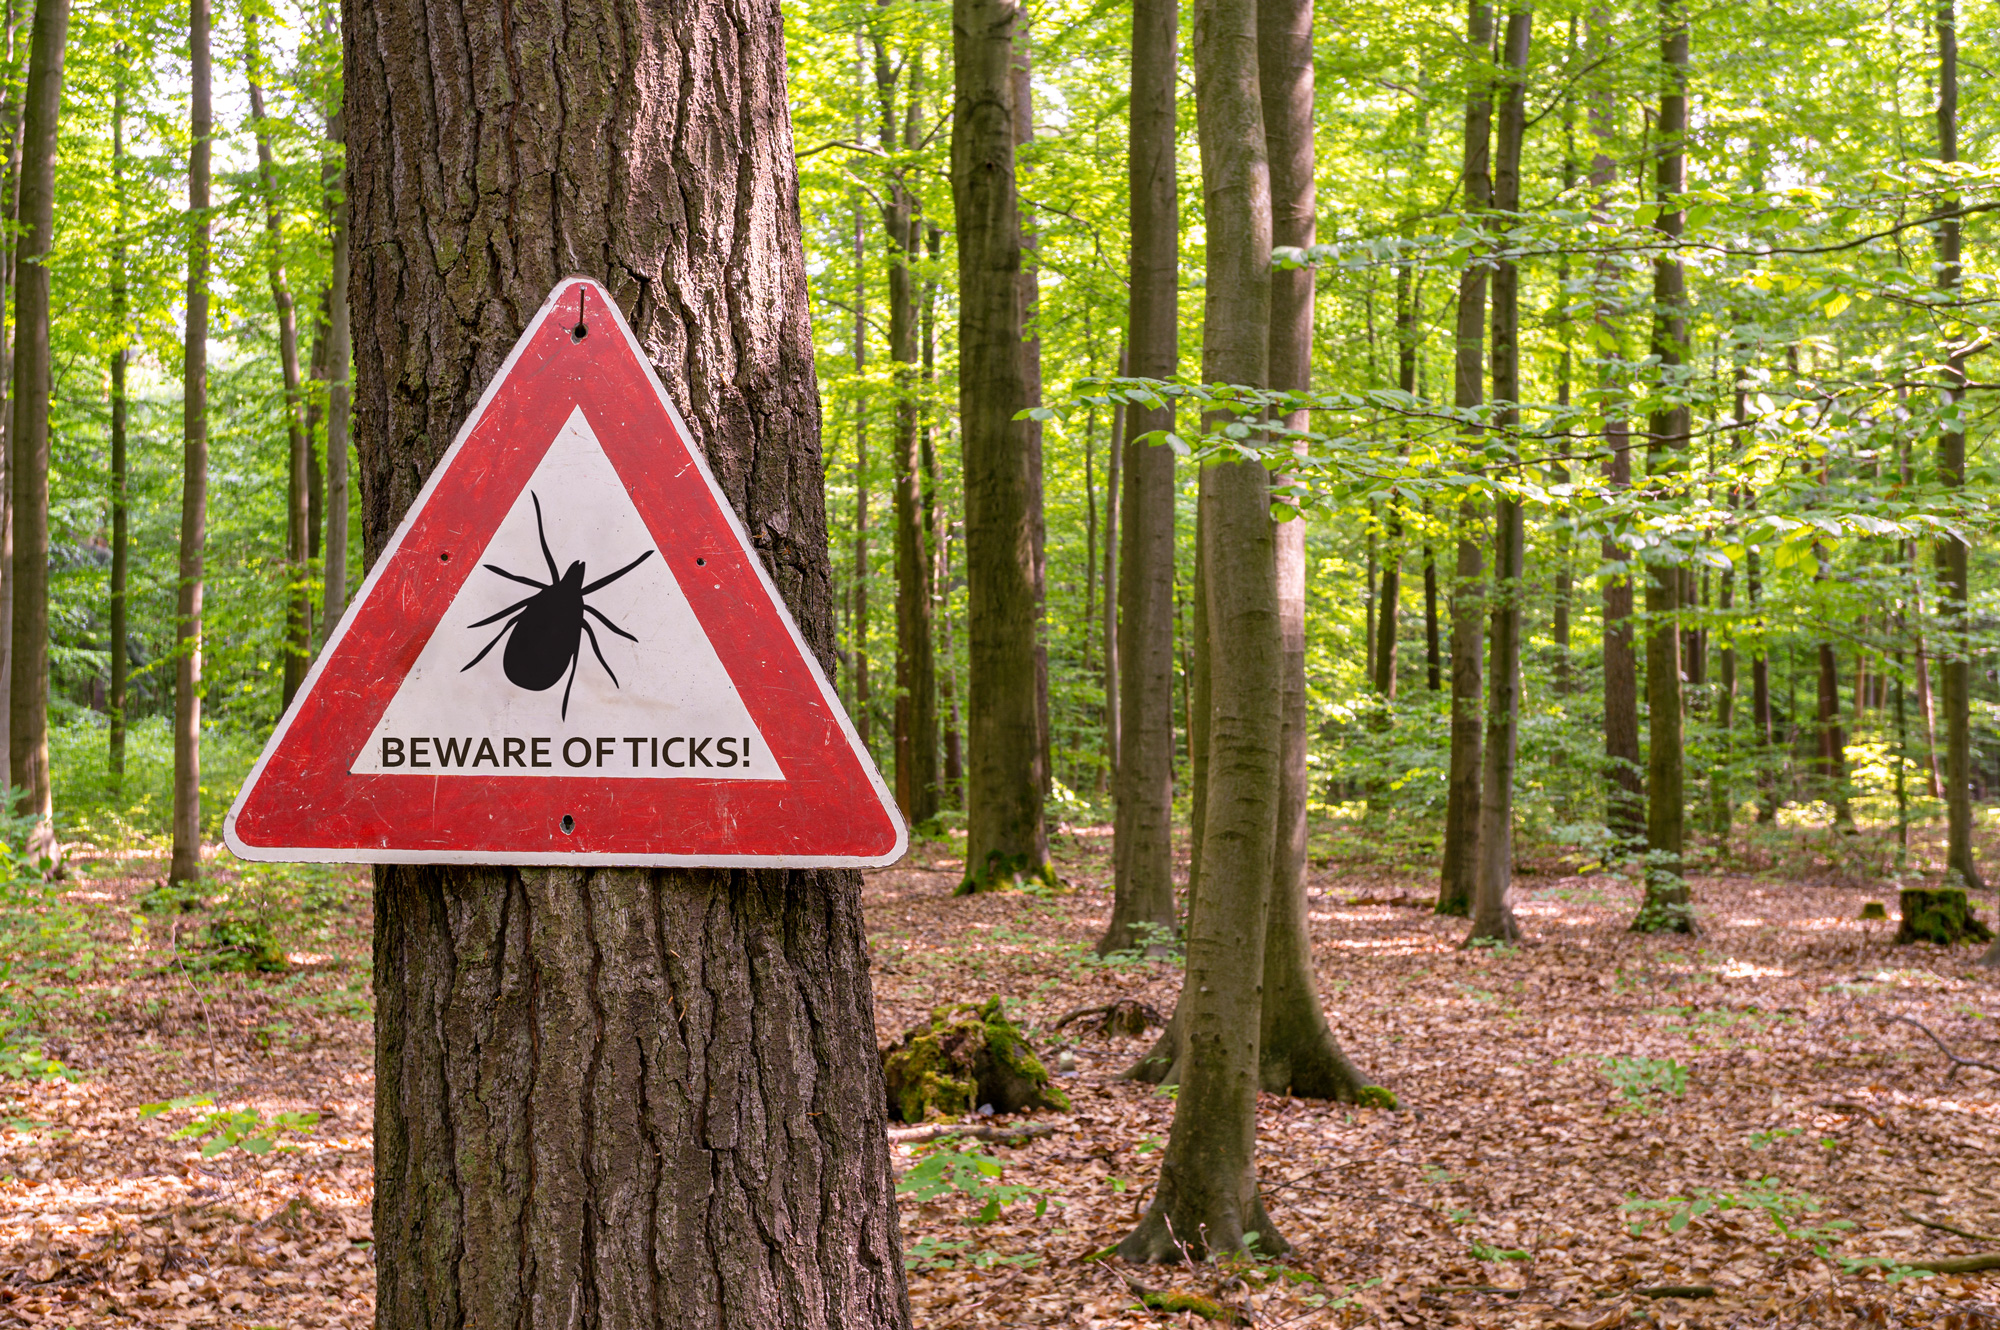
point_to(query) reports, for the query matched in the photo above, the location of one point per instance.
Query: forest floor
(1588, 1121)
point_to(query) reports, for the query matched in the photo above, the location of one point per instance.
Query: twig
(1676, 1291)
(1956, 1060)
(937, 1131)
(1958, 1265)
(1947, 1228)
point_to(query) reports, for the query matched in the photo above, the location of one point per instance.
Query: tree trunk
(1142, 848)
(1006, 838)
(916, 725)
(1493, 882)
(1297, 1053)
(1022, 104)
(1925, 706)
(1461, 818)
(864, 719)
(186, 863)
(1114, 457)
(339, 356)
(1624, 776)
(121, 553)
(1667, 905)
(1762, 732)
(28, 438)
(1207, 1199)
(14, 116)
(298, 589)
(618, 1097)
(1953, 554)
(1433, 656)
(1721, 807)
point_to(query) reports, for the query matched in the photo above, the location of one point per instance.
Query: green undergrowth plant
(1640, 1080)
(221, 1129)
(967, 1170)
(1794, 1214)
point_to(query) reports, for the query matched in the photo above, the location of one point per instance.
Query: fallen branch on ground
(937, 1131)
(1676, 1291)
(1958, 1265)
(1947, 1228)
(1209, 1309)
(1956, 1060)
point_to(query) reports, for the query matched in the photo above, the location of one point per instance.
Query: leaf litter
(1755, 1126)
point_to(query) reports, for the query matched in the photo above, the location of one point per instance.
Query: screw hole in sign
(581, 331)
(701, 563)
(568, 825)
(444, 556)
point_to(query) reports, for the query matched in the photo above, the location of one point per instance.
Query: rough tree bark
(121, 356)
(1207, 1199)
(1297, 1053)
(298, 591)
(1006, 837)
(186, 863)
(916, 716)
(1142, 907)
(1667, 906)
(616, 1097)
(1467, 595)
(1493, 879)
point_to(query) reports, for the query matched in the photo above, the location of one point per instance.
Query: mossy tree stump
(969, 1055)
(1941, 915)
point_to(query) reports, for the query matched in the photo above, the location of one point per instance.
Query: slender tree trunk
(611, 1097)
(298, 589)
(1409, 335)
(1953, 554)
(1925, 709)
(28, 438)
(1143, 898)
(1624, 776)
(186, 864)
(1763, 734)
(1006, 838)
(1493, 881)
(339, 356)
(1433, 655)
(1461, 818)
(858, 628)
(1668, 906)
(916, 726)
(1297, 1053)
(1207, 1198)
(1721, 803)
(13, 114)
(121, 553)
(1113, 461)
(1022, 102)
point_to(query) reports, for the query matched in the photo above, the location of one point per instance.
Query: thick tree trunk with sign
(616, 1097)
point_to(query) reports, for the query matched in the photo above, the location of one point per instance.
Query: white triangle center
(540, 701)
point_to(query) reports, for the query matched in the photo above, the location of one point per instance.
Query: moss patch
(1941, 915)
(969, 1055)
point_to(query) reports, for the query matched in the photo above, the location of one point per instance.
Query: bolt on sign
(569, 653)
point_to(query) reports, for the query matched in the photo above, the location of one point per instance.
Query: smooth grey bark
(1207, 1199)
(1459, 867)
(864, 708)
(1142, 833)
(1297, 1053)
(186, 862)
(616, 1097)
(13, 114)
(28, 438)
(1006, 835)
(121, 355)
(1023, 109)
(1113, 465)
(1493, 878)
(297, 648)
(1668, 907)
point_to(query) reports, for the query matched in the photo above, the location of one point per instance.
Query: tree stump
(1939, 914)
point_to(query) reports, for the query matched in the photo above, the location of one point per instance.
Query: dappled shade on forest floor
(1738, 1099)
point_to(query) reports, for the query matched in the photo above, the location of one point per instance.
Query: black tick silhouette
(549, 627)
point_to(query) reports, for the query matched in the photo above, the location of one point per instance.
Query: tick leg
(515, 577)
(488, 647)
(540, 535)
(587, 609)
(501, 614)
(569, 685)
(600, 654)
(609, 578)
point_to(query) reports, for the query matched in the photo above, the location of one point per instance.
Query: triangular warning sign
(569, 653)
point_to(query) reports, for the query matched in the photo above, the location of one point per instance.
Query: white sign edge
(364, 855)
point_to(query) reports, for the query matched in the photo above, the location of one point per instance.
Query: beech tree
(1006, 837)
(631, 1097)
(1207, 1198)
(186, 863)
(28, 437)
(1142, 835)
